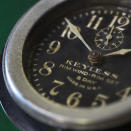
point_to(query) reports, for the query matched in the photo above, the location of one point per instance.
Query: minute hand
(120, 52)
(74, 30)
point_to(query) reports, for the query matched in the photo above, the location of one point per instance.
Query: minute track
(77, 78)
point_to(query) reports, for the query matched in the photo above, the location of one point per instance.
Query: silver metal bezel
(38, 107)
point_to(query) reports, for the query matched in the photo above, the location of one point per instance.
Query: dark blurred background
(10, 12)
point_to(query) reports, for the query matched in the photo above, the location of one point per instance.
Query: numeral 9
(54, 47)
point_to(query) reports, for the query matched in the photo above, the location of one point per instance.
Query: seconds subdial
(109, 38)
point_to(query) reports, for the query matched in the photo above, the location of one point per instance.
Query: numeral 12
(122, 21)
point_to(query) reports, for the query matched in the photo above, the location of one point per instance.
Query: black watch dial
(74, 59)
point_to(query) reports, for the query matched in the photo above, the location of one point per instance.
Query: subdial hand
(109, 37)
(75, 30)
(120, 52)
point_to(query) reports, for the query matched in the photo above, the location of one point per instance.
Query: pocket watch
(67, 63)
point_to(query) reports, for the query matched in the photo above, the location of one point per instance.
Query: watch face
(57, 64)
(72, 63)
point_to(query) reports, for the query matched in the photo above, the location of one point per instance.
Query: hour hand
(120, 52)
(75, 30)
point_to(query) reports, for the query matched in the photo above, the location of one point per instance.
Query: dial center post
(95, 57)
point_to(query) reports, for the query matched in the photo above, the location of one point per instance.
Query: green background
(10, 12)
